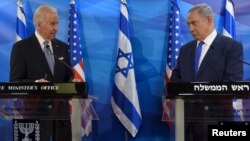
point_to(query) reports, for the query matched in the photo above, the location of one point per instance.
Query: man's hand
(42, 80)
(76, 80)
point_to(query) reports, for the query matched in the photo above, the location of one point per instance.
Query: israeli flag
(230, 31)
(21, 27)
(229, 22)
(124, 100)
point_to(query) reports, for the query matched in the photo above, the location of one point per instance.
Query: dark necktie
(197, 56)
(49, 56)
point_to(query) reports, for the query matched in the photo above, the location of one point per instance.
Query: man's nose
(191, 28)
(55, 27)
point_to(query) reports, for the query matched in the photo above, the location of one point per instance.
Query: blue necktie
(197, 56)
(49, 56)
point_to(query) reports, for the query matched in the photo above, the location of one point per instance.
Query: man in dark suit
(217, 60)
(30, 64)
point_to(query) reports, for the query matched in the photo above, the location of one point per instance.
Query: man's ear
(210, 19)
(38, 25)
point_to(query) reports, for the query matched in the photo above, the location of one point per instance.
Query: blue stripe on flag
(124, 25)
(21, 8)
(127, 107)
(21, 29)
(229, 25)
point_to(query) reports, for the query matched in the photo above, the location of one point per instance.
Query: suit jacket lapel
(56, 53)
(193, 48)
(208, 56)
(40, 54)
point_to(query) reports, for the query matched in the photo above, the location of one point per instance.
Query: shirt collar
(210, 38)
(41, 40)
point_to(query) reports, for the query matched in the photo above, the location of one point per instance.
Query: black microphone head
(58, 58)
(47, 46)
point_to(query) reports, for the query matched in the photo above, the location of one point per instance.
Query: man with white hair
(32, 61)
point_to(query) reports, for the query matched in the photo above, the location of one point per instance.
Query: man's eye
(195, 23)
(52, 24)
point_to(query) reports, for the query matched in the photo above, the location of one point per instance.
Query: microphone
(57, 58)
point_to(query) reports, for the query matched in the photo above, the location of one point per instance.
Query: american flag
(230, 31)
(174, 44)
(124, 100)
(74, 41)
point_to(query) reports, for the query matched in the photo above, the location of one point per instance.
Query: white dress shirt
(207, 43)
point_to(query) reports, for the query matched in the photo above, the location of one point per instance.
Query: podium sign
(209, 104)
(27, 105)
(62, 90)
(208, 90)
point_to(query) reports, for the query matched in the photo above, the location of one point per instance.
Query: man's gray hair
(41, 11)
(203, 9)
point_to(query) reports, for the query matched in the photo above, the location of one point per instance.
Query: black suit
(222, 63)
(28, 64)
